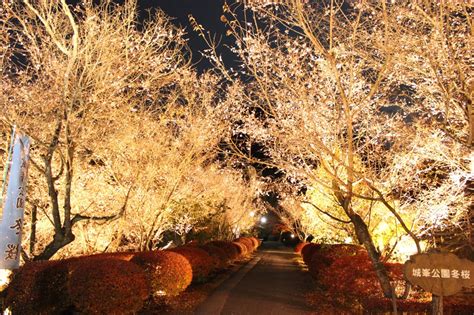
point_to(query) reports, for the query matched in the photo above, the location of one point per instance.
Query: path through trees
(270, 284)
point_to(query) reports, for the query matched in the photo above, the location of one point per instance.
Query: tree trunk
(52, 248)
(34, 219)
(364, 237)
(437, 305)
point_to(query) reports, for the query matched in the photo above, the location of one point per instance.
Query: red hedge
(348, 271)
(52, 282)
(229, 248)
(38, 287)
(351, 274)
(127, 256)
(378, 304)
(107, 286)
(327, 253)
(114, 283)
(247, 242)
(255, 242)
(219, 255)
(242, 249)
(201, 263)
(300, 246)
(308, 251)
(168, 272)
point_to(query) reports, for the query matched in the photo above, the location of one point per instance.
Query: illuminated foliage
(376, 144)
(125, 134)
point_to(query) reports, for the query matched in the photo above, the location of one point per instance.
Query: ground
(274, 281)
(271, 283)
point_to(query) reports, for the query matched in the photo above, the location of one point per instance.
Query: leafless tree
(326, 96)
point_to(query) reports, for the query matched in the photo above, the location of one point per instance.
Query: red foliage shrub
(107, 286)
(418, 301)
(351, 274)
(247, 243)
(127, 256)
(218, 254)
(379, 304)
(318, 264)
(229, 248)
(52, 282)
(38, 288)
(168, 272)
(242, 249)
(349, 271)
(327, 253)
(395, 271)
(308, 251)
(201, 263)
(461, 303)
(255, 242)
(300, 246)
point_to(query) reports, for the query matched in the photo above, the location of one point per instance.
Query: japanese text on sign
(441, 273)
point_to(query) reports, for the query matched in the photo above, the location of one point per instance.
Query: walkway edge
(216, 301)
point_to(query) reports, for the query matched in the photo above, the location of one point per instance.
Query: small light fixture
(252, 214)
(292, 235)
(263, 220)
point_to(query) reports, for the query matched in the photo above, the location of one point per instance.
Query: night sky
(206, 12)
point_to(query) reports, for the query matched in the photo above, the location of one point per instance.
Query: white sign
(13, 202)
(442, 274)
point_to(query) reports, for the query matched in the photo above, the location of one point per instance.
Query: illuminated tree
(325, 92)
(123, 129)
(72, 75)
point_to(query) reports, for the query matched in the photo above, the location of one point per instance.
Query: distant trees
(356, 101)
(121, 127)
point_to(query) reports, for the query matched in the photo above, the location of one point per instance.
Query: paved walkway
(270, 284)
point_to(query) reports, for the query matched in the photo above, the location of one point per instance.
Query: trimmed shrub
(417, 302)
(242, 249)
(201, 263)
(351, 274)
(230, 249)
(381, 304)
(308, 251)
(127, 256)
(38, 288)
(218, 254)
(107, 286)
(169, 273)
(52, 284)
(255, 242)
(247, 242)
(327, 253)
(300, 246)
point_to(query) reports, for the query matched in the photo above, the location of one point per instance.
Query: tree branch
(80, 217)
(326, 213)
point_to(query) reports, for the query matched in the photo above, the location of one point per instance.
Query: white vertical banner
(13, 202)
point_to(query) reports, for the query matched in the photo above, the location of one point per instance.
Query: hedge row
(344, 269)
(117, 283)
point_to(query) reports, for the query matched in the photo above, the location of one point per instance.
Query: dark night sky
(206, 12)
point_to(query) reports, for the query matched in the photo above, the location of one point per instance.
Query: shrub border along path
(25, 294)
(345, 279)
